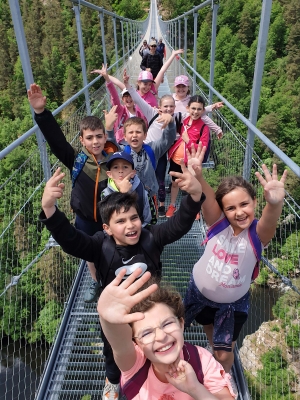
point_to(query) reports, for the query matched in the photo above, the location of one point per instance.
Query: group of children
(115, 184)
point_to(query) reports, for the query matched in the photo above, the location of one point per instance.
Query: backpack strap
(151, 154)
(79, 163)
(191, 355)
(148, 150)
(216, 228)
(152, 120)
(201, 131)
(178, 121)
(134, 384)
(256, 245)
(107, 252)
(140, 192)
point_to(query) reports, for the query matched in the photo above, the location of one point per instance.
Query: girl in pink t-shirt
(218, 293)
(146, 325)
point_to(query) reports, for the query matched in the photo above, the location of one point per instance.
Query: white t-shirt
(223, 274)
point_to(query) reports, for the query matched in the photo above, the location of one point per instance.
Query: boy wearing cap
(122, 178)
(152, 62)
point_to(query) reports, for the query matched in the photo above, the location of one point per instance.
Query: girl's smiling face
(167, 105)
(239, 208)
(144, 87)
(181, 91)
(195, 110)
(166, 347)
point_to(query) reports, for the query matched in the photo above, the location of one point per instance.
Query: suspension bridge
(50, 339)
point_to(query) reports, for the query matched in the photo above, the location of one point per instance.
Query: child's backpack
(140, 190)
(222, 224)
(78, 165)
(134, 384)
(148, 150)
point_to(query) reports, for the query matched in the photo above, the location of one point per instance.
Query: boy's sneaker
(161, 211)
(92, 293)
(171, 211)
(110, 391)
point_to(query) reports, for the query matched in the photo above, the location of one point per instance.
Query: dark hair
(117, 202)
(165, 294)
(196, 99)
(230, 183)
(135, 120)
(165, 96)
(92, 123)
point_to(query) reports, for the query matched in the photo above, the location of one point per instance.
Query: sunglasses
(153, 45)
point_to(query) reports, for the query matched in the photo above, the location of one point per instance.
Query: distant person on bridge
(144, 322)
(152, 62)
(125, 244)
(161, 48)
(218, 293)
(87, 168)
(144, 49)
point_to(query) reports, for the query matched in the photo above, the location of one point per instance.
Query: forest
(55, 61)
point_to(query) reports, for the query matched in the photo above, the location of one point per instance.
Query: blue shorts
(227, 318)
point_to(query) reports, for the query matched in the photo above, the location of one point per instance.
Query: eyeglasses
(148, 335)
(153, 45)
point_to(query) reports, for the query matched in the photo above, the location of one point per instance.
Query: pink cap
(182, 80)
(145, 76)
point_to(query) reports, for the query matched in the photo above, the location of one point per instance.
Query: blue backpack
(148, 150)
(219, 226)
(134, 384)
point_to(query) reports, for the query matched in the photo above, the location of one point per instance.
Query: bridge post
(82, 58)
(116, 42)
(195, 49)
(179, 34)
(257, 80)
(122, 30)
(185, 39)
(127, 30)
(215, 8)
(101, 17)
(28, 77)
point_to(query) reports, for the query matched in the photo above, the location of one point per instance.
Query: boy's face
(94, 141)
(125, 227)
(119, 169)
(135, 136)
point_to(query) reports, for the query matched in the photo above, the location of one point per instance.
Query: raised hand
(187, 182)
(177, 52)
(195, 159)
(126, 78)
(110, 118)
(274, 192)
(102, 71)
(182, 375)
(164, 118)
(117, 299)
(36, 98)
(217, 105)
(54, 190)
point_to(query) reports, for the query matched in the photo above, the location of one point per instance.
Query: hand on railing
(36, 98)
